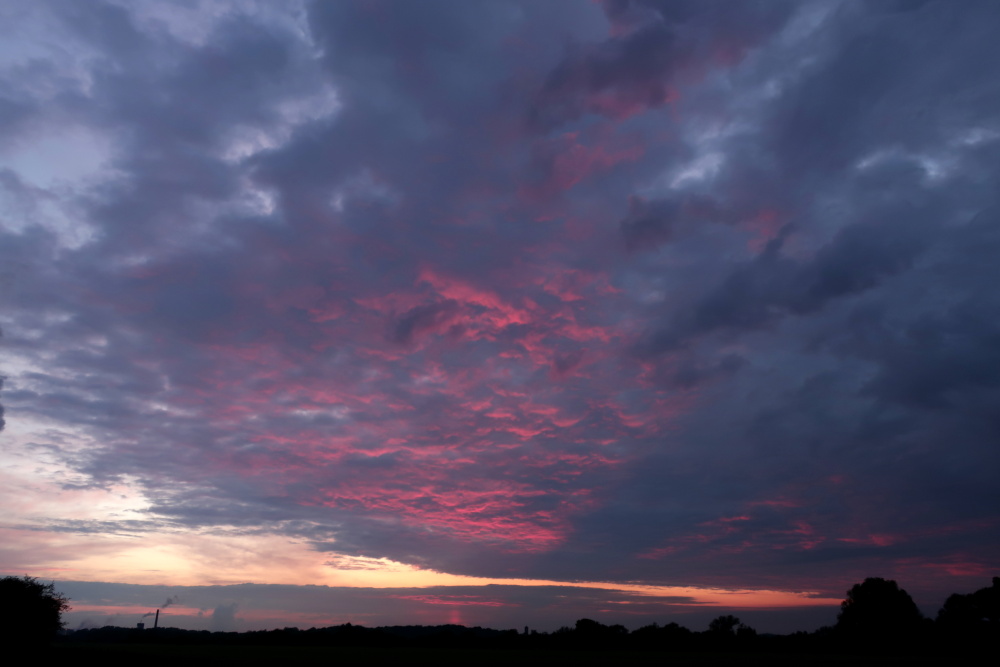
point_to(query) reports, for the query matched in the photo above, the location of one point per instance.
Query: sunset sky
(499, 313)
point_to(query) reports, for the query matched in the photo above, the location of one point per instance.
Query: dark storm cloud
(648, 223)
(772, 285)
(662, 46)
(943, 358)
(330, 284)
(885, 82)
(173, 130)
(636, 69)
(895, 245)
(651, 223)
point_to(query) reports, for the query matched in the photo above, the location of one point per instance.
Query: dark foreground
(184, 655)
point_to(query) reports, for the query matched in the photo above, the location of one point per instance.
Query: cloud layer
(682, 293)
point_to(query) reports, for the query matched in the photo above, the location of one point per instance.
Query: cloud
(622, 291)
(423, 318)
(772, 286)
(643, 65)
(224, 618)
(542, 607)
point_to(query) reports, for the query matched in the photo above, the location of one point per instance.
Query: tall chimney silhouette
(156, 621)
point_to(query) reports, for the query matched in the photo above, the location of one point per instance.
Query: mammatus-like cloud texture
(677, 293)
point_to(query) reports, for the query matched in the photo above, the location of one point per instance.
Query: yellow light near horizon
(179, 556)
(206, 559)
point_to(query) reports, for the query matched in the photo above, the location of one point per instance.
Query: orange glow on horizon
(237, 559)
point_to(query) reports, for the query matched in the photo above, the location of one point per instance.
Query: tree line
(876, 616)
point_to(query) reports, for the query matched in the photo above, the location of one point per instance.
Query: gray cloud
(422, 318)
(224, 618)
(772, 285)
(519, 289)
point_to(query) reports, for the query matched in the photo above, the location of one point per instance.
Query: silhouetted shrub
(30, 611)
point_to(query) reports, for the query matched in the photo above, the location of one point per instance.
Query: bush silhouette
(30, 611)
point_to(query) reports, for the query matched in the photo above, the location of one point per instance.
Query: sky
(499, 313)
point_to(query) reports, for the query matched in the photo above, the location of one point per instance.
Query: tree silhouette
(30, 611)
(724, 625)
(878, 609)
(591, 633)
(727, 629)
(973, 614)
